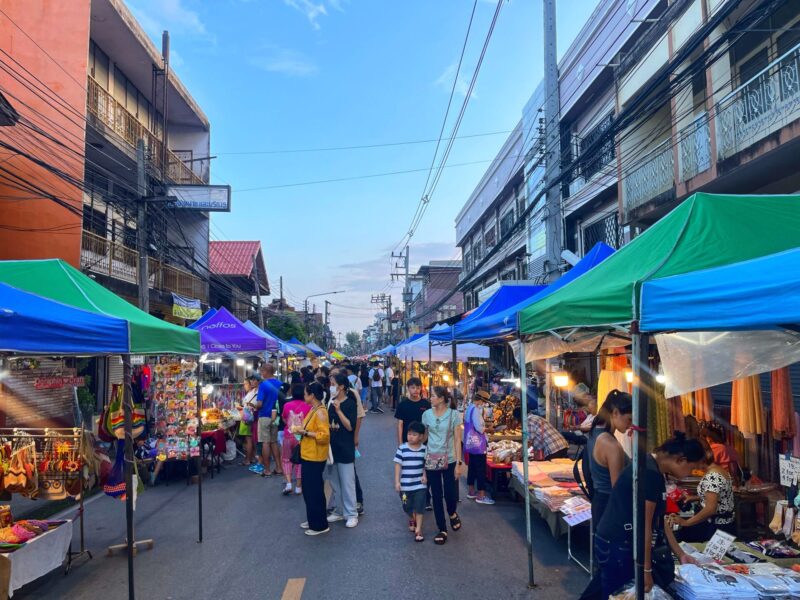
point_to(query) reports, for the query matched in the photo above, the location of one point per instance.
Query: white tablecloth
(38, 557)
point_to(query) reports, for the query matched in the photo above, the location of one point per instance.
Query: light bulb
(239, 362)
(629, 376)
(561, 379)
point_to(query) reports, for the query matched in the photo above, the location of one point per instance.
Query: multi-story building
(434, 295)
(87, 98)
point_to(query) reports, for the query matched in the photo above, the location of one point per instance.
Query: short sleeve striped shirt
(412, 465)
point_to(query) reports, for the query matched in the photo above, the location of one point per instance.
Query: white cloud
(445, 80)
(155, 16)
(336, 5)
(285, 61)
(311, 10)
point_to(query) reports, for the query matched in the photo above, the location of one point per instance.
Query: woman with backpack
(475, 446)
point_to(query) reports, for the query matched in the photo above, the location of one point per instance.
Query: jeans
(364, 395)
(314, 494)
(443, 487)
(476, 471)
(599, 504)
(376, 395)
(615, 563)
(343, 482)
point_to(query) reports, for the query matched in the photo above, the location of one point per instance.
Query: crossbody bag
(439, 461)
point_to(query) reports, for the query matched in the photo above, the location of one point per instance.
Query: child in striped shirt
(409, 477)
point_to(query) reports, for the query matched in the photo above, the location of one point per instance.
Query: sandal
(412, 526)
(440, 538)
(455, 522)
(419, 538)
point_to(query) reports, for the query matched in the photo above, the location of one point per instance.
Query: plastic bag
(230, 451)
(629, 593)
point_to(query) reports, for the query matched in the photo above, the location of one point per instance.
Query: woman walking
(443, 464)
(342, 473)
(475, 443)
(314, 447)
(293, 415)
(248, 411)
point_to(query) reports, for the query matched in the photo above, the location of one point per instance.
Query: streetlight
(305, 303)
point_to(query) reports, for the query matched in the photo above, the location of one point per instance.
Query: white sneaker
(298, 491)
(333, 518)
(485, 500)
(304, 525)
(312, 532)
(287, 489)
(351, 522)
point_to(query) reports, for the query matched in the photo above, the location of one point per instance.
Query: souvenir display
(174, 392)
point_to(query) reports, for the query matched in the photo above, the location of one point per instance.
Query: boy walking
(409, 477)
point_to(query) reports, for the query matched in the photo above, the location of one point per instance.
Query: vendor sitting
(715, 493)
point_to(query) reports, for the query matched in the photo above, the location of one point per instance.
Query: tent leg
(524, 397)
(129, 490)
(430, 369)
(455, 367)
(641, 387)
(199, 393)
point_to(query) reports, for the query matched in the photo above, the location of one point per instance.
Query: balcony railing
(653, 178)
(767, 102)
(695, 146)
(107, 111)
(104, 256)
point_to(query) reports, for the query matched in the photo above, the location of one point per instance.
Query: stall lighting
(629, 376)
(446, 377)
(561, 379)
(218, 361)
(239, 362)
(514, 380)
(662, 379)
(441, 368)
(204, 358)
(470, 372)
(204, 414)
(207, 389)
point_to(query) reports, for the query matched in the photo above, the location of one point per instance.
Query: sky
(279, 77)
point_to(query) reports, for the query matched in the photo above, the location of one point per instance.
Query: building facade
(238, 273)
(434, 295)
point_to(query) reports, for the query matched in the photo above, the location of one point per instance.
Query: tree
(353, 343)
(287, 326)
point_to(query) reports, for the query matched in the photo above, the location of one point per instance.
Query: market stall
(87, 319)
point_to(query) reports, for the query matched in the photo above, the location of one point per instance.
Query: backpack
(583, 476)
(376, 374)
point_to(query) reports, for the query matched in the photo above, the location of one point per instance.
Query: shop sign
(56, 382)
(204, 198)
(789, 469)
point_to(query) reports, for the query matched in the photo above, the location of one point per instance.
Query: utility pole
(141, 229)
(406, 290)
(552, 150)
(258, 293)
(326, 328)
(305, 314)
(281, 284)
(164, 105)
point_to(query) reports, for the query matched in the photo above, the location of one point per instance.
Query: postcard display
(175, 408)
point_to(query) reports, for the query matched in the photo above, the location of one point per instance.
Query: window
(94, 220)
(606, 230)
(596, 148)
(476, 252)
(490, 237)
(98, 65)
(506, 222)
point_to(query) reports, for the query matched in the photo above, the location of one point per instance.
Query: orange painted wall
(31, 225)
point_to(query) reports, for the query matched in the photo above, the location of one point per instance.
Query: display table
(494, 471)
(553, 519)
(781, 562)
(36, 558)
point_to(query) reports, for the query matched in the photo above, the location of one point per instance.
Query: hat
(481, 395)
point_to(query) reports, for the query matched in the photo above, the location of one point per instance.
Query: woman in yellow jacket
(314, 448)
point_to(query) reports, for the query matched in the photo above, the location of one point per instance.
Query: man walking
(376, 375)
(268, 392)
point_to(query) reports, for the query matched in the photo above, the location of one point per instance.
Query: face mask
(333, 391)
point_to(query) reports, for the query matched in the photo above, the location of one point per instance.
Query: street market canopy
(705, 231)
(302, 348)
(208, 314)
(55, 279)
(385, 351)
(36, 325)
(743, 321)
(223, 333)
(419, 350)
(316, 349)
(336, 355)
(499, 324)
(282, 346)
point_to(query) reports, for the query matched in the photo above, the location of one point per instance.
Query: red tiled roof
(235, 259)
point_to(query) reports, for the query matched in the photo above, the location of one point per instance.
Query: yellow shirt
(316, 449)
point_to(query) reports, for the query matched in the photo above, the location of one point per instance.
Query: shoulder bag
(439, 461)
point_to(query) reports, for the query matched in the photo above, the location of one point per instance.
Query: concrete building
(434, 294)
(88, 97)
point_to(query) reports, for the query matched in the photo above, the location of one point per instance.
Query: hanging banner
(186, 308)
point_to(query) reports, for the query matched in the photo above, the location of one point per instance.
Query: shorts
(245, 429)
(415, 502)
(267, 431)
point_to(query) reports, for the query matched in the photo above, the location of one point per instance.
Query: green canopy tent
(705, 231)
(56, 280)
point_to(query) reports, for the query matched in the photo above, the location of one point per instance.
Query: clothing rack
(41, 435)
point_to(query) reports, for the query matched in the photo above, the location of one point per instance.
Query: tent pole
(524, 397)
(430, 368)
(454, 370)
(199, 395)
(641, 387)
(129, 489)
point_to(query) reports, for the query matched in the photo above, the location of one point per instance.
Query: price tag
(789, 469)
(578, 518)
(718, 545)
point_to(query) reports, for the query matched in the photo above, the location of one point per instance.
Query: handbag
(439, 461)
(474, 441)
(295, 457)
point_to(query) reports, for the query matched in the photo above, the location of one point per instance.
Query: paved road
(253, 545)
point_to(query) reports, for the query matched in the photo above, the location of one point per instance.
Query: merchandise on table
(504, 452)
(735, 581)
(14, 536)
(175, 406)
(504, 414)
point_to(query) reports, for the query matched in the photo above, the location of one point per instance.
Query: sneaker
(333, 518)
(258, 470)
(380, 410)
(374, 411)
(484, 500)
(287, 489)
(312, 532)
(351, 522)
(429, 507)
(298, 491)
(360, 509)
(304, 525)
(472, 496)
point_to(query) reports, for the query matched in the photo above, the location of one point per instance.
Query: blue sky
(277, 75)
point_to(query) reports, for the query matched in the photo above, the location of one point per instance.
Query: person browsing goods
(268, 392)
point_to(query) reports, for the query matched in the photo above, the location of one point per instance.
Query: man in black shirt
(410, 408)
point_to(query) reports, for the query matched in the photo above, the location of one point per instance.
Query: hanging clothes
(676, 420)
(610, 380)
(687, 404)
(796, 445)
(703, 405)
(747, 409)
(782, 405)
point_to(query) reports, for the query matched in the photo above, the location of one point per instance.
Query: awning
(55, 279)
(705, 231)
(418, 350)
(35, 325)
(282, 346)
(223, 333)
(316, 349)
(390, 349)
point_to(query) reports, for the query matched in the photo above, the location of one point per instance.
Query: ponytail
(622, 401)
(317, 390)
(443, 392)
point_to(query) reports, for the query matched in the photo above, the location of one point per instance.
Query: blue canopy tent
(499, 321)
(302, 348)
(409, 340)
(390, 349)
(209, 313)
(32, 324)
(725, 323)
(316, 349)
(282, 346)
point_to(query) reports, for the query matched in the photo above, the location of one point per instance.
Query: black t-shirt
(409, 411)
(343, 444)
(619, 512)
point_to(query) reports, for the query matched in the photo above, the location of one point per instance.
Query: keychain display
(174, 393)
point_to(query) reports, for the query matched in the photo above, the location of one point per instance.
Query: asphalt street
(253, 545)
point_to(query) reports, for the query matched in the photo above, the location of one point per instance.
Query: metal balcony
(695, 148)
(110, 115)
(762, 105)
(106, 257)
(650, 180)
